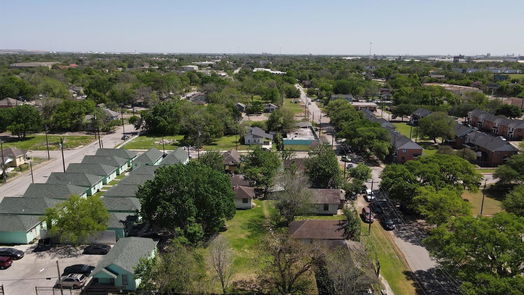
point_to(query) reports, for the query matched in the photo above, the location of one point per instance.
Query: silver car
(71, 281)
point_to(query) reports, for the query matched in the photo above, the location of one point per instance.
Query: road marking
(42, 269)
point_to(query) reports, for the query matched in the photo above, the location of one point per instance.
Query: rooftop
(317, 229)
(327, 196)
(80, 179)
(55, 191)
(150, 157)
(127, 253)
(18, 223)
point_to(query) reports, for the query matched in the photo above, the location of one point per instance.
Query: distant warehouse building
(35, 64)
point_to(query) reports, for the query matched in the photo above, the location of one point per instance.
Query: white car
(73, 280)
(370, 196)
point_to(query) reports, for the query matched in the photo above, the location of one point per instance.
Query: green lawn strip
(245, 233)
(321, 217)
(491, 205)
(486, 170)
(144, 142)
(393, 266)
(38, 142)
(229, 142)
(297, 147)
(516, 76)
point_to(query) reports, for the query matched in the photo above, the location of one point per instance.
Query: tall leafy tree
(512, 172)
(438, 124)
(212, 159)
(24, 119)
(76, 219)
(322, 168)
(295, 199)
(514, 202)
(437, 207)
(192, 200)
(261, 166)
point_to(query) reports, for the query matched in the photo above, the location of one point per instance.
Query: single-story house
(122, 205)
(122, 191)
(240, 107)
(325, 231)
(54, 191)
(150, 157)
(120, 223)
(327, 201)
(303, 134)
(117, 268)
(232, 160)
(9, 102)
(27, 206)
(108, 173)
(239, 180)
(371, 106)
(417, 115)
(244, 196)
(13, 157)
(255, 135)
(347, 97)
(92, 182)
(20, 229)
(269, 107)
(138, 179)
(178, 156)
(130, 156)
(145, 169)
(121, 164)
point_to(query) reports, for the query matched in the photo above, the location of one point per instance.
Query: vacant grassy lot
(403, 128)
(245, 232)
(144, 142)
(37, 142)
(393, 266)
(516, 76)
(491, 205)
(296, 108)
(224, 143)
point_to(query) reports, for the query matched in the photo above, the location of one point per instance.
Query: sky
(395, 27)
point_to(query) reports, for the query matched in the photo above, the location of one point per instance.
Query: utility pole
(372, 182)
(47, 143)
(369, 224)
(163, 146)
(31, 167)
(3, 161)
(59, 278)
(62, 149)
(483, 196)
(122, 116)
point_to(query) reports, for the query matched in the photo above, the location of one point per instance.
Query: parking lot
(40, 269)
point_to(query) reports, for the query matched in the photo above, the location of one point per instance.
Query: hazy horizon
(405, 27)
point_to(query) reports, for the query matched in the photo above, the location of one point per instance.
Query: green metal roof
(91, 168)
(127, 253)
(80, 179)
(54, 191)
(120, 153)
(106, 160)
(18, 223)
(26, 206)
(149, 157)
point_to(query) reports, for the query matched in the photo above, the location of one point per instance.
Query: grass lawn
(516, 76)
(38, 142)
(491, 205)
(245, 233)
(393, 267)
(297, 147)
(144, 142)
(403, 128)
(486, 170)
(226, 143)
(321, 217)
(296, 108)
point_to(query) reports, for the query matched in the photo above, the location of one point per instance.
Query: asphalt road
(17, 186)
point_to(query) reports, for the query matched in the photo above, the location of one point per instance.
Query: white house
(255, 135)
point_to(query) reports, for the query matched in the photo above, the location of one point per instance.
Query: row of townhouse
(21, 216)
(510, 129)
(402, 148)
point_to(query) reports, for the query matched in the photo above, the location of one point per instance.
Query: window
(124, 280)
(404, 151)
(326, 207)
(245, 200)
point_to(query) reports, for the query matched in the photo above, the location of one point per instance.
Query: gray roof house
(108, 173)
(19, 229)
(90, 181)
(122, 191)
(120, 163)
(26, 206)
(120, 153)
(176, 157)
(136, 179)
(117, 268)
(326, 201)
(54, 191)
(122, 205)
(255, 135)
(150, 157)
(146, 169)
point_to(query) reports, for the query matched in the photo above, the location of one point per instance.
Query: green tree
(512, 172)
(76, 219)
(212, 159)
(468, 246)
(437, 207)
(164, 118)
(514, 202)
(281, 121)
(438, 124)
(69, 115)
(322, 168)
(352, 224)
(508, 110)
(192, 200)
(360, 172)
(24, 119)
(295, 199)
(400, 183)
(261, 166)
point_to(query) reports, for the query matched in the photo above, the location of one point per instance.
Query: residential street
(18, 185)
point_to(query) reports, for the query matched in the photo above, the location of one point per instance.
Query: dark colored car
(387, 223)
(83, 269)
(11, 252)
(366, 215)
(377, 207)
(97, 249)
(43, 245)
(5, 262)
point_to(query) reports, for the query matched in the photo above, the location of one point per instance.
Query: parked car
(83, 269)
(97, 249)
(5, 262)
(370, 195)
(345, 159)
(377, 207)
(12, 253)
(367, 216)
(71, 281)
(43, 245)
(387, 223)
(125, 137)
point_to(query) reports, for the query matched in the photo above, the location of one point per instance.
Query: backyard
(224, 143)
(144, 142)
(38, 142)
(491, 204)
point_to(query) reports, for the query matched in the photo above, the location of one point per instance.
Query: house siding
(319, 209)
(404, 155)
(21, 237)
(240, 205)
